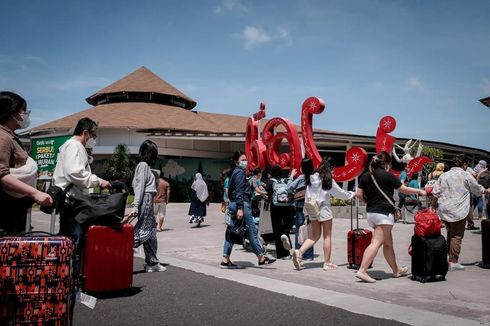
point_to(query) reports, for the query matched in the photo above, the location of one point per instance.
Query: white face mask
(25, 122)
(91, 142)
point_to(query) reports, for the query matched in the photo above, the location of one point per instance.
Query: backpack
(484, 179)
(280, 193)
(312, 208)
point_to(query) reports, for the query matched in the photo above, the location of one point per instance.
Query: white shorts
(160, 208)
(375, 219)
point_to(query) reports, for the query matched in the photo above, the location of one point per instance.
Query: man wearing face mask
(73, 168)
(18, 172)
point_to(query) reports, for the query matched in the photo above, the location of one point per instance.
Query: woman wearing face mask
(380, 212)
(18, 172)
(240, 194)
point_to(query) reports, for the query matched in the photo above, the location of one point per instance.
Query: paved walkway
(461, 300)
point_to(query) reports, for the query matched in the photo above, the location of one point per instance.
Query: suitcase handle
(40, 233)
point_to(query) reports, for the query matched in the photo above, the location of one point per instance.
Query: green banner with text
(45, 153)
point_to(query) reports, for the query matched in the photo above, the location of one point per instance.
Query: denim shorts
(375, 219)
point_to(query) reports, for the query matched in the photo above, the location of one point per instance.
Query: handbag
(96, 208)
(398, 211)
(58, 195)
(427, 223)
(304, 232)
(235, 233)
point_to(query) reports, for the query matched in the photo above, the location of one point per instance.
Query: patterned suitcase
(108, 258)
(36, 281)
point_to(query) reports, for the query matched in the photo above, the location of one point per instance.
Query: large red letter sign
(384, 142)
(356, 157)
(254, 148)
(273, 139)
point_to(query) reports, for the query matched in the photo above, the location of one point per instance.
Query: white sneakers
(155, 268)
(455, 267)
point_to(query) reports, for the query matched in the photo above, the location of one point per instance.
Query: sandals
(329, 266)
(297, 259)
(401, 272)
(266, 261)
(365, 277)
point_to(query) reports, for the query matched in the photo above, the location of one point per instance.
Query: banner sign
(45, 152)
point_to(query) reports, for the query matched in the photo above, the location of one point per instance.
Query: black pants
(14, 213)
(282, 222)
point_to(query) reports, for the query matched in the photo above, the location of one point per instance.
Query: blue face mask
(242, 164)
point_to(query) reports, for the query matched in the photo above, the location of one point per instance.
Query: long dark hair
(325, 172)
(148, 152)
(379, 161)
(307, 169)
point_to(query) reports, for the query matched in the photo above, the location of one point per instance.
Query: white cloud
(226, 6)
(253, 36)
(486, 86)
(284, 35)
(415, 83)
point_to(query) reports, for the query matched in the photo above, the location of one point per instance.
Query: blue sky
(424, 62)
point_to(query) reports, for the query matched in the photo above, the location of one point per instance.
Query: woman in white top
(319, 186)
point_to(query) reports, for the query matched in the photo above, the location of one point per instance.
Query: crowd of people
(458, 190)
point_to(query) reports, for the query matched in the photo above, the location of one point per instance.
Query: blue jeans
(300, 220)
(478, 203)
(251, 232)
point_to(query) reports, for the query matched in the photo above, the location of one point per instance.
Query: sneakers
(472, 227)
(137, 252)
(228, 265)
(402, 271)
(453, 267)
(285, 242)
(297, 259)
(365, 277)
(155, 268)
(266, 261)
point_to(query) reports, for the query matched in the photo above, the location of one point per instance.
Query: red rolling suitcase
(108, 258)
(357, 241)
(36, 281)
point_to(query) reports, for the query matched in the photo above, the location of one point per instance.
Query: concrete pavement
(461, 300)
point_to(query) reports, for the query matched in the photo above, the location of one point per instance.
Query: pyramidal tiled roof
(151, 116)
(141, 80)
(147, 114)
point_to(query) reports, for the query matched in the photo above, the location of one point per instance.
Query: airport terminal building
(142, 106)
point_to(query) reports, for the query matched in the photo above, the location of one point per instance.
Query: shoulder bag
(235, 233)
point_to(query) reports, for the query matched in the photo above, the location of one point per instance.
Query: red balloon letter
(384, 142)
(254, 148)
(273, 140)
(356, 157)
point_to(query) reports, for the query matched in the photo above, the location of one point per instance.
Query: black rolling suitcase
(429, 258)
(485, 243)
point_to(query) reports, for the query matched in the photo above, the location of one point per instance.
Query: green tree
(120, 166)
(435, 154)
